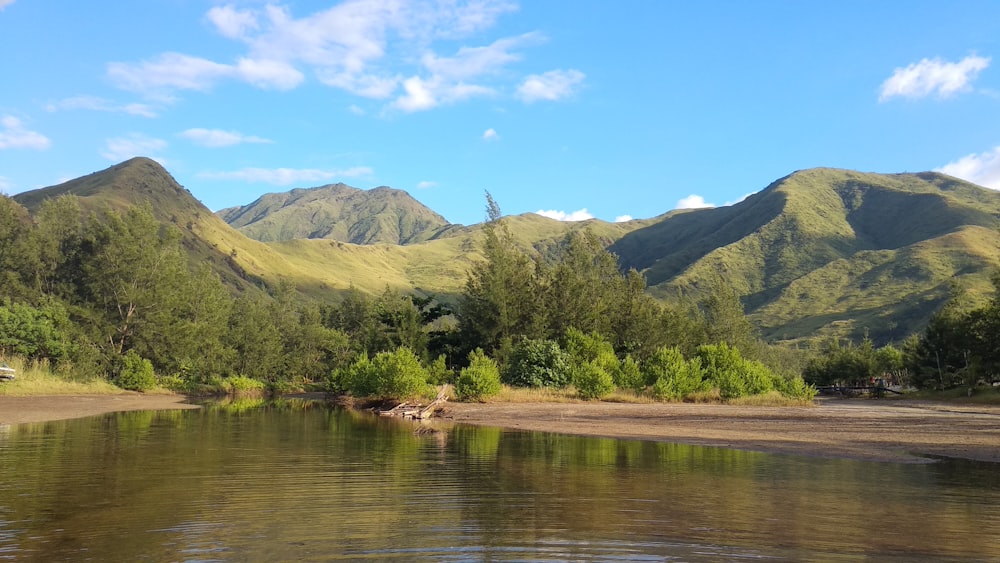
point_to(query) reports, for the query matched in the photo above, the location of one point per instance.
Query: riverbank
(874, 430)
(42, 408)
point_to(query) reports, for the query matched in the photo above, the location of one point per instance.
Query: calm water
(298, 481)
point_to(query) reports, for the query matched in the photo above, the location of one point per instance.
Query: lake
(297, 480)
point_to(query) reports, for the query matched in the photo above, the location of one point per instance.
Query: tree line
(113, 294)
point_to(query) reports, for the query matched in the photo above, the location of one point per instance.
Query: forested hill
(827, 251)
(242, 263)
(337, 212)
(820, 252)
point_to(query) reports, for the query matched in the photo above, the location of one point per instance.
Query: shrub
(136, 373)
(628, 375)
(241, 384)
(389, 375)
(592, 381)
(537, 363)
(480, 380)
(671, 376)
(438, 372)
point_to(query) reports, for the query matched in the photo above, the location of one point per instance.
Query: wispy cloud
(580, 215)
(932, 76)
(550, 86)
(5, 185)
(119, 149)
(623, 218)
(982, 168)
(377, 49)
(693, 201)
(425, 185)
(13, 135)
(491, 135)
(94, 103)
(5, 3)
(286, 176)
(215, 138)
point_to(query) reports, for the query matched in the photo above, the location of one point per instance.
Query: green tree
(671, 376)
(480, 380)
(500, 302)
(725, 320)
(537, 363)
(584, 287)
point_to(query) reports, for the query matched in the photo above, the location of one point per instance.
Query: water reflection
(295, 480)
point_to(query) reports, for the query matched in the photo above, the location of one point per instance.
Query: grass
(981, 395)
(37, 378)
(568, 394)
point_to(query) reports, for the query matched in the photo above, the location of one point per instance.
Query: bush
(136, 373)
(479, 381)
(537, 363)
(671, 376)
(628, 375)
(241, 384)
(389, 375)
(592, 381)
(438, 372)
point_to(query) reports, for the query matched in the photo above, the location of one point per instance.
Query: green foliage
(136, 373)
(537, 363)
(35, 333)
(592, 380)
(480, 380)
(389, 375)
(839, 364)
(671, 376)
(241, 384)
(628, 375)
(438, 372)
(726, 370)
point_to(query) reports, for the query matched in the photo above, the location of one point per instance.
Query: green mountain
(244, 264)
(818, 253)
(831, 252)
(337, 212)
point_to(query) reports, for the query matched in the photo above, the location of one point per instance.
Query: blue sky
(576, 108)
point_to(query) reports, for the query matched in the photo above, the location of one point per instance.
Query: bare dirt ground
(889, 430)
(17, 410)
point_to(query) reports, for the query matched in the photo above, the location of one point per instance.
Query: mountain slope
(828, 251)
(336, 212)
(242, 263)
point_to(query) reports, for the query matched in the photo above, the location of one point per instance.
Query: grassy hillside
(337, 212)
(242, 263)
(832, 252)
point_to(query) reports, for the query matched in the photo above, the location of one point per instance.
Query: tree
(537, 363)
(584, 287)
(480, 380)
(500, 302)
(725, 320)
(133, 273)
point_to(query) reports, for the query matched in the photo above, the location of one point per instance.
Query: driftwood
(419, 412)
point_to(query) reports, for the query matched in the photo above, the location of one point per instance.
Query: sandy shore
(890, 430)
(17, 410)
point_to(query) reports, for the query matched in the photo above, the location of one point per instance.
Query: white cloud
(123, 148)
(231, 22)
(5, 3)
(551, 86)
(581, 215)
(356, 109)
(490, 135)
(982, 169)
(286, 176)
(623, 218)
(5, 185)
(94, 103)
(931, 76)
(425, 185)
(219, 138)
(13, 135)
(377, 49)
(693, 201)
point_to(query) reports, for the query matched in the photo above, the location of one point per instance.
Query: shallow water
(298, 481)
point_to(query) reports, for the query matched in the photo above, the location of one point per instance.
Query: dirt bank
(17, 410)
(860, 429)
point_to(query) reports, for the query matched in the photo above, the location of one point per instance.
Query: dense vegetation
(111, 295)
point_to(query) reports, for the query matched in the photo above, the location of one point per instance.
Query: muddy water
(298, 481)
